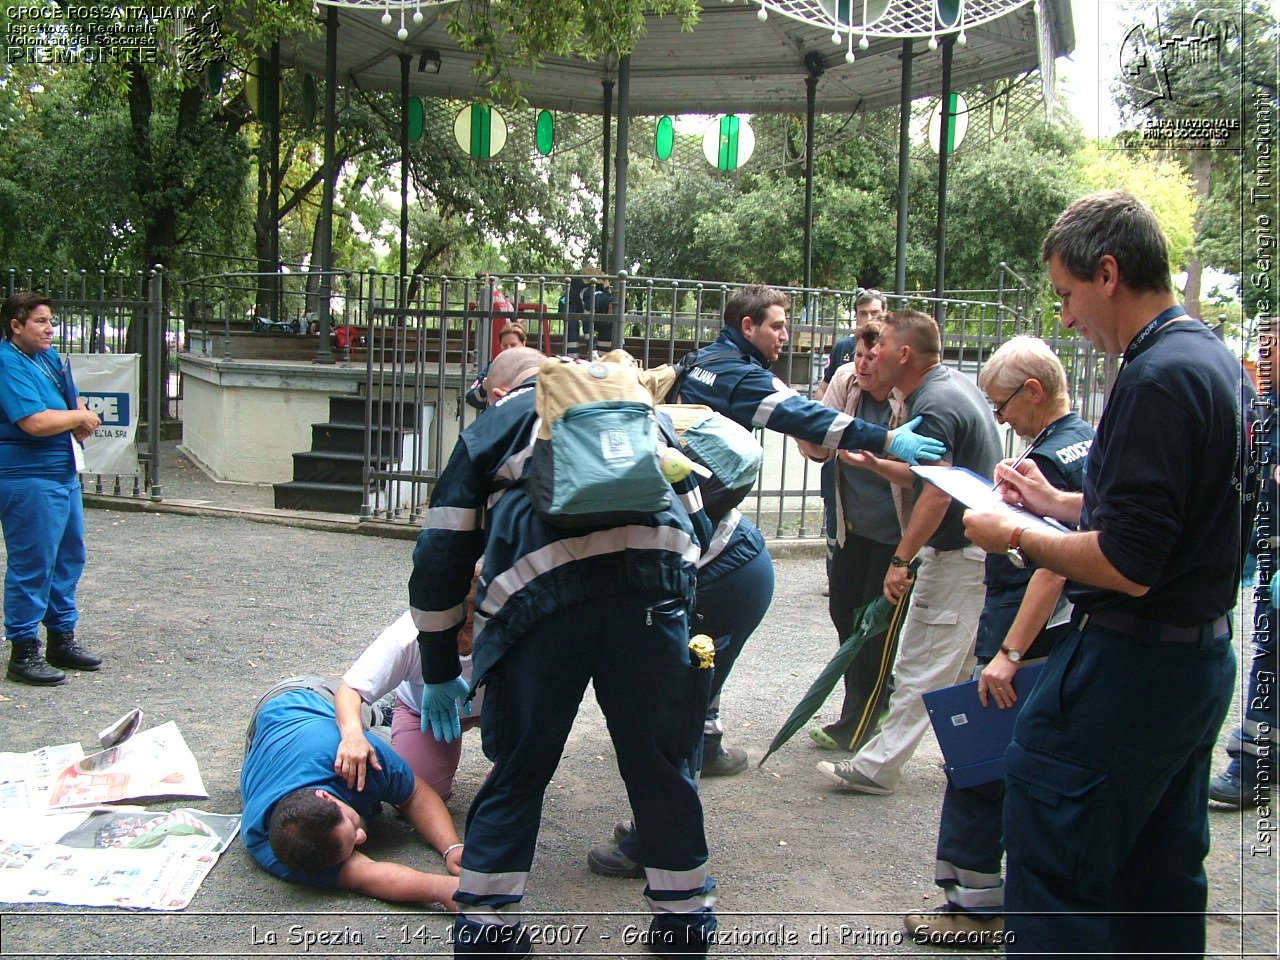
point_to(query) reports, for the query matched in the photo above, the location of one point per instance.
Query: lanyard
(43, 365)
(1161, 319)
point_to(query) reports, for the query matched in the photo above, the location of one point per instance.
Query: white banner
(109, 384)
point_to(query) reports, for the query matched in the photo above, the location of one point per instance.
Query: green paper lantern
(213, 76)
(417, 118)
(480, 131)
(728, 142)
(546, 132)
(958, 127)
(947, 12)
(664, 139)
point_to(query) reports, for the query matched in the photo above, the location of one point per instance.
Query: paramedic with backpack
(735, 588)
(557, 609)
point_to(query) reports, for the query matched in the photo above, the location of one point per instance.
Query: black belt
(1145, 629)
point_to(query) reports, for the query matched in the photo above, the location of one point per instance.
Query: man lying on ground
(302, 822)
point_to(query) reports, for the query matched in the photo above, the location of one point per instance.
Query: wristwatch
(897, 561)
(1014, 553)
(1015, 656)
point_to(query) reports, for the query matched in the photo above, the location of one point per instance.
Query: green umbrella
(875, 617)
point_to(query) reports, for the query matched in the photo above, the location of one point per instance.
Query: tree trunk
(1200, 172)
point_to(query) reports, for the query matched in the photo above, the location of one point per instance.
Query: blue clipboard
(973, 737)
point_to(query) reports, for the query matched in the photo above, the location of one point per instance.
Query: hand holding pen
(1039, 439)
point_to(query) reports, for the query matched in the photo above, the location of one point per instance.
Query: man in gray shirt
(937, 638)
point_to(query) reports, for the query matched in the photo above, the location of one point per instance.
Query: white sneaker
(844, 775)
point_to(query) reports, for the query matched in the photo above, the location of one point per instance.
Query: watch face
(1013, 655)
(1017, 558)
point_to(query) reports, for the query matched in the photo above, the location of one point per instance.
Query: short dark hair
(1117, 223)
(917, 330)
(18, 306)
(753, 301)
(869, 333)
(303, 831)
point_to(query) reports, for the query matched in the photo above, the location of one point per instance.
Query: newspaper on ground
(117, 857)
(152, 763)
(27, 779)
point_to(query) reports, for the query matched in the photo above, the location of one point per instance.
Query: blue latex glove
(912, 447)
(440, 708)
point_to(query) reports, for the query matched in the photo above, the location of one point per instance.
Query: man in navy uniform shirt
(1106, 813)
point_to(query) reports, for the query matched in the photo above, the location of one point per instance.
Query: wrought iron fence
(422, 340)
(429, 337)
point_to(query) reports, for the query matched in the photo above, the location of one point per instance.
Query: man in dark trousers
(732, 376)
(1106, 813)
(557, 609)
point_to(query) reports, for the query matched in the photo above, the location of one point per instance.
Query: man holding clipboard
(1105, 815)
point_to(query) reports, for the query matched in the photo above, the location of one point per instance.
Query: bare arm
(1037, 606)
(48, 423)
(396, 882)
(430, 818)
(929, 510)
(1076, 556)
(354, 750)
(895, 471)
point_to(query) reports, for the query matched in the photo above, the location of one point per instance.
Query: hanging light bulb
(386, 16)
(848, 53)
(762, 14)
(315, 8)
(835, 38)
(933, 43)
(962, 39)
(863, 43)
(417, 15)
(402, 34)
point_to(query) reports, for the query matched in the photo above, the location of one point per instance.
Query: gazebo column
(904, 170)
(944, 148)
(324, 238)
(607, 112)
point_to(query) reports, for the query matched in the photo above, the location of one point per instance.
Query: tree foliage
(1187, 61)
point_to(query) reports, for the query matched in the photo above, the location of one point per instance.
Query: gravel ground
(196, 615)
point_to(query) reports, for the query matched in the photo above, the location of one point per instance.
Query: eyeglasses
(998, 410)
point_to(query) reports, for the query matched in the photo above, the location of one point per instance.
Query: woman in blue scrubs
(42, 422)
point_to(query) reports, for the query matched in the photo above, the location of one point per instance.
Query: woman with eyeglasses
(1027, 388)
(42, 423)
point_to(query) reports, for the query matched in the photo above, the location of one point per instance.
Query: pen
(1039, 439)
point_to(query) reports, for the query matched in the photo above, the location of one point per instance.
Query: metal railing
(422, 340)
(424, 350)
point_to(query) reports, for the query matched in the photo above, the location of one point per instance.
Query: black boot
(26, 665)
(66, 652)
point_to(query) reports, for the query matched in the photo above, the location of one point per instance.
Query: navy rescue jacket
(531, 569)
(732, 378)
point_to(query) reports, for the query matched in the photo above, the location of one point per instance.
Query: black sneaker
(1230, 788)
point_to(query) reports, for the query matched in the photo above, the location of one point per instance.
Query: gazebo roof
(731, 62)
